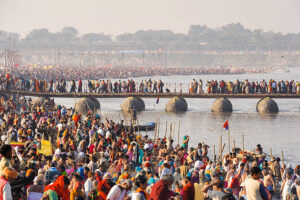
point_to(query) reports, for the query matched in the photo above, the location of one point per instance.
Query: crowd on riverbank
(96, 158)
(10, 82)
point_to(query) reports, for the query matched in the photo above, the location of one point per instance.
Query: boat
(145, 127)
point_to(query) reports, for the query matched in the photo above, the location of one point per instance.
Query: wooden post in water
(271, 152)
(220, 147)
(166, 129)
(174, 131)
(155, 131)
(243, 138)
(158, 126)
(171, 130)
(138, 125)
(228, 133)
(178, 131)
(282, 158)
(234, 144)
(214, 153)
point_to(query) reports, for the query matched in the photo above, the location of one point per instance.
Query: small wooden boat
(250, 154)
(145, 127)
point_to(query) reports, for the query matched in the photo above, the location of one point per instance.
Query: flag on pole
(226, 125)
(157, 100)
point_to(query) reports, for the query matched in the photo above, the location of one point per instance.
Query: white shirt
(57, 152)
(88, 186)
(116, 193)
(7, 192)
(215, 195)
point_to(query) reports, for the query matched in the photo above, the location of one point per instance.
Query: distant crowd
(111, 72)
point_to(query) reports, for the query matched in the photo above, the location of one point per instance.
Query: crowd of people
(10, 82)
(112, 72)
(97, 159)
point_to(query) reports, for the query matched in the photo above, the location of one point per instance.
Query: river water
(277, 131)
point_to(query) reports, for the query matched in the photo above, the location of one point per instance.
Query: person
(254, 188)
(188, 191)
(119, 191)
(77, 191)
(6, 152)
(140, 193)
(35, 191)
(286, 186)
(105, 185)
(275, 168)
(8, 173)
(60, 187)
(269, 182)
(214, 190)
(88, 185)
(160, 190)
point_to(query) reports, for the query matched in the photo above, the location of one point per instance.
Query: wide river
(277, 131)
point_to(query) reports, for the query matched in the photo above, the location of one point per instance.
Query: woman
(77, 191)
(35, 191)
(140, 193)
(60, 187)
(286, 186)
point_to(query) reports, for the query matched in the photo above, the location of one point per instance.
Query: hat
(107, 176)
(10, 172)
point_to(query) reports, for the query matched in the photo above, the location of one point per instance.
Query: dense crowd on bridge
(98, 159)
(9, 82)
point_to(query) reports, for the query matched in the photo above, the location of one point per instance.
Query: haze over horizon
(115, 16)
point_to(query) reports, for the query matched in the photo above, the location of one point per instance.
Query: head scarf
(80, 171)
(58, 187)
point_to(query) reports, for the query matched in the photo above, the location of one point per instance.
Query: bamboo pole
(214, 153)
(155, 131)
(158, 127)
(220, 157)
(171, 130)
(243, 138)
(282, 158)
(174, 131)
(228, 133)
(178, 131)
(138, 126)
(233, 143)
(166, 129)
(220, 145)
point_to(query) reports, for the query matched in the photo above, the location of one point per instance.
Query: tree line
(232, 37)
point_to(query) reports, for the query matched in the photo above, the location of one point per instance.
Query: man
(188, 189)
(8, 173)
(269, 182)
(275, 168)
(51, 174)
(88, 185)
(118, 192)
(160, 190)
(214, 190)
(254, 188)
(6, 152)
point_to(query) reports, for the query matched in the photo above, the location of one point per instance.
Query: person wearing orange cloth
(140, 193)
(60, 186)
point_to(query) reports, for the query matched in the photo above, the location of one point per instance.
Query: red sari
(58, 187)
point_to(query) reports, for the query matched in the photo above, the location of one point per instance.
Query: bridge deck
(143, 95)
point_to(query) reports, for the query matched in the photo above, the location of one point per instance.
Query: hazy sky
(119, 16)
